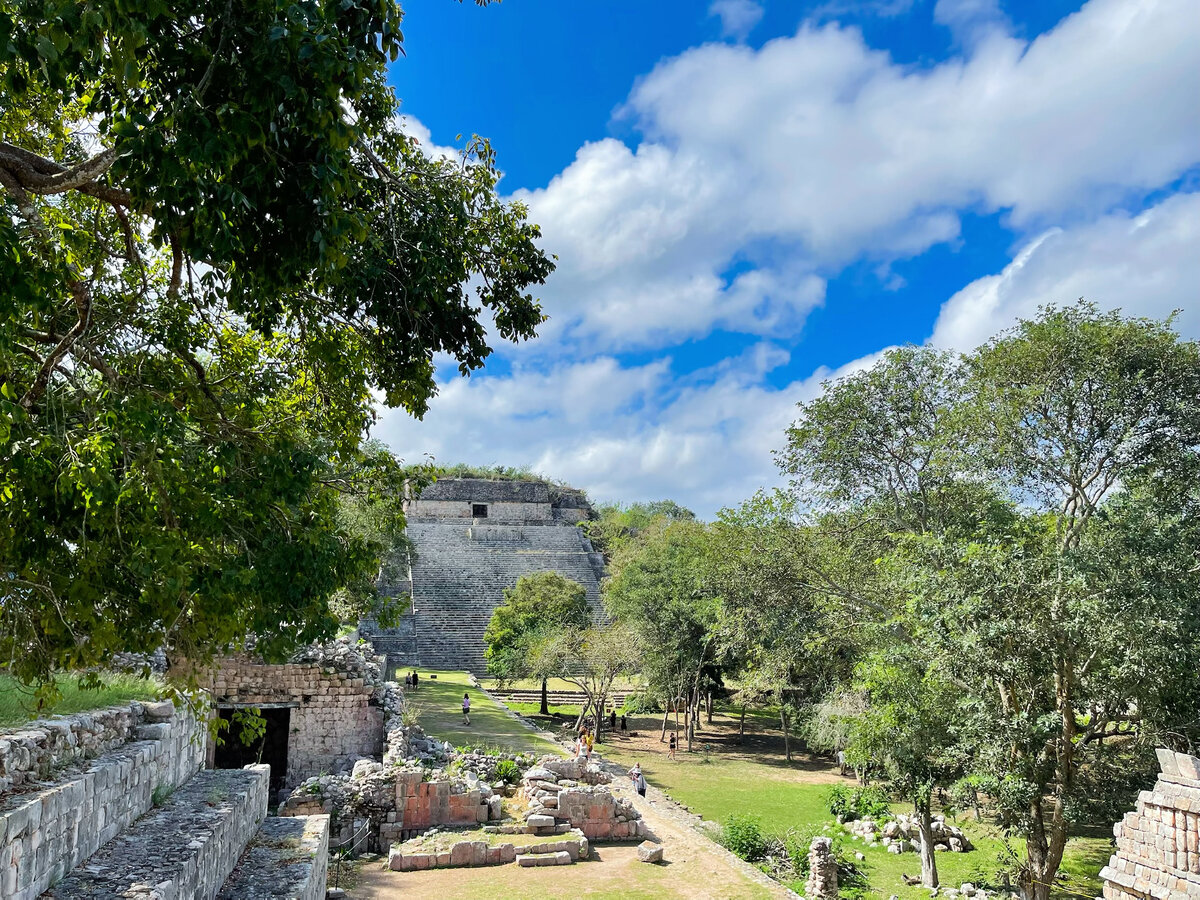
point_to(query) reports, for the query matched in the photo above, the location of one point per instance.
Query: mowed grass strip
(18, 705)
(720, 784)
(440, 703)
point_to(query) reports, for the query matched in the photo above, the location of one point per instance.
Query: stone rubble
(903, 835)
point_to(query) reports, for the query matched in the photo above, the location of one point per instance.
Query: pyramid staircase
(458, 578)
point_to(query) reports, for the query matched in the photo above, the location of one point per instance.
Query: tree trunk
(787, 741)
(545, 710)
(742, 725)
(600, 715)
(666, 716)
(929, 874)
(708, 707)
(676, 702)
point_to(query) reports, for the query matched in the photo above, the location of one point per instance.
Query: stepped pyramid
(473, 538)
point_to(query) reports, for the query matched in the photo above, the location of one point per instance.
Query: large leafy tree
(217, 245)
(662, 592)
(1021, 508)
(537, 604)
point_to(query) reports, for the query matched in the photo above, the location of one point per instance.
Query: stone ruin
(571, 792)
(903, 834)
(1158, 844)
(822, 883)
(473, 538)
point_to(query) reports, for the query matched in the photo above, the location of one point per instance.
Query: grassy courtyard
(439, 698)
(18, 704)
(755, 778)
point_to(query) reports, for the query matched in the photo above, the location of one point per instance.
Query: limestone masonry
(474, 538)
(1158, 845)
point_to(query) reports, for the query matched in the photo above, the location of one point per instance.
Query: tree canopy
(218, 244)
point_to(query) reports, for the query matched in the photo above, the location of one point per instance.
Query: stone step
(287, 857)
(181, 850)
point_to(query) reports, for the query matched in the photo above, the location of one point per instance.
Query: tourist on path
(414, 679)
(671, 744)
(589, 740)
(466, 709)
(841, 762)
(624, 725)
(639, 780)
(612, 721)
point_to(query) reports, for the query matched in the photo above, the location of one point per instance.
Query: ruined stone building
(473, 538)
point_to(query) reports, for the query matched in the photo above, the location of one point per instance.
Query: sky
(750, 197)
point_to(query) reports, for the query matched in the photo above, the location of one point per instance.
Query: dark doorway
(479, 510)
(271, 748)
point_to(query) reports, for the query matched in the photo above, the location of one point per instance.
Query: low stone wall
(335, 719)
(287, 858)
(185, 848)
(1158, 845)
(436, 853)
(47, 832)
(36, 750)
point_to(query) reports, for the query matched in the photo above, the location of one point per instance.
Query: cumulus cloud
(738, 17)
(1145, 264)
(623, 433)
(817, 149)
(764, 172)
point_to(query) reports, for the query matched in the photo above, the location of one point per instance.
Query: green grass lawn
(440, 704)
(18, 705)
(726, 782)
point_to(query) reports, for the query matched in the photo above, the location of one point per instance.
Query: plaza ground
(720, 778)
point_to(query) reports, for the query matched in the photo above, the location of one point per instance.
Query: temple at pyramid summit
(472, 538)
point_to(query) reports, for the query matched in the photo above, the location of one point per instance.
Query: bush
(742, 836)
(859, 803)
(507, 771)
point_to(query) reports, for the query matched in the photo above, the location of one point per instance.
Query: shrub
(742, 836)
(507, 771)
(859, 803)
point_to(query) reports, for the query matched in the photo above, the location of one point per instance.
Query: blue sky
(749, 197)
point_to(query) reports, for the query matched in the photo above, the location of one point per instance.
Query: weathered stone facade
(464, 561)
(115, 759)
(335, 718)
(288, 858)
(1158, 845)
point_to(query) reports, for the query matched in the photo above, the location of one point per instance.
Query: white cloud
(969, 20)
(1146, 265)
(763, 172)
(738, 17)
(816, 149)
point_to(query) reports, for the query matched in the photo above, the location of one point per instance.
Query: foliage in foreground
(204, 288)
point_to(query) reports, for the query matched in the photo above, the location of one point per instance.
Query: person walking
(612, 721)
(841, 758)
(589, 741)
(638, 779)
(414, 679)
(624, 724)
(407, 681)
(466, 709)
(672, 743)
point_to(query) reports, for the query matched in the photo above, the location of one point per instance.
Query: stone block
(527, 861)
(537, 821)
(649, 852)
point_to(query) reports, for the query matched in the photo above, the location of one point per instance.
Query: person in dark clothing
(414, 679)
(612, 720)
(624, 724)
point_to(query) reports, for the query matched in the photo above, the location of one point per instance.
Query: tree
(589, 658)
(618, 526)
(204, 286)
(538, 603)
(1069, 411)
(660, 591)
(909, 727)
